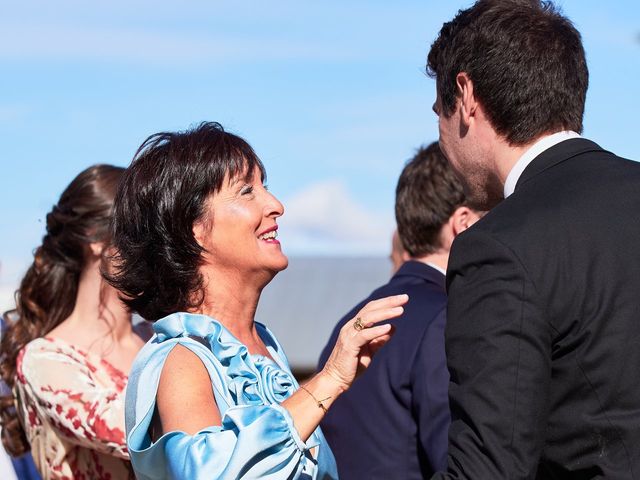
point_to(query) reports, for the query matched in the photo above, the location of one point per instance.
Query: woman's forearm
(308, 405)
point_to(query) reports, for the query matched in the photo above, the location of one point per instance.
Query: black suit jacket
(393, 421)
(543, 328)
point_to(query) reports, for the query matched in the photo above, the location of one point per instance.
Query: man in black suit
(543, 328)
(393, 421)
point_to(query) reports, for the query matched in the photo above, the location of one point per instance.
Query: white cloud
(325, 218)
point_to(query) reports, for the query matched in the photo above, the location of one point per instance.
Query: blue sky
(332, 96)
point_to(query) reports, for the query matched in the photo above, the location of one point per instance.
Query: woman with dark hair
(70, 343)
(211, 395)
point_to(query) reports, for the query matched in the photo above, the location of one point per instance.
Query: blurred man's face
(398, 254)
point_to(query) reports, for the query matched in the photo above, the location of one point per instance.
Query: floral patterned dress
(71, 404)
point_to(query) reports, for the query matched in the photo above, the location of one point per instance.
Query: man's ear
(462, 218)
(468, 101)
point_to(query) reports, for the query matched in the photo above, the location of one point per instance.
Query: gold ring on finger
(358, 324)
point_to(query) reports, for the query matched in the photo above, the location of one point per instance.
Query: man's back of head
(428, 197)
(526, 62)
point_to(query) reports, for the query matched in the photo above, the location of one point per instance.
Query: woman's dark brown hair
(47, 293)
(162, 195)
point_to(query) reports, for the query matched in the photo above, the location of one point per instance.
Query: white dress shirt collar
(536, 149)
(438, 268)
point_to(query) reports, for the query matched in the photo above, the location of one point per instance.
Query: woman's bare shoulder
(185, 399)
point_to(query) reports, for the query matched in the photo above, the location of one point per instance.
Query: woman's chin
(272, 266)
(282, 263)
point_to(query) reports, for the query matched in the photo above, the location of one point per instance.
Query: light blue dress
(257, 438)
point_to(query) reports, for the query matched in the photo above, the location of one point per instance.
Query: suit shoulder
(588, 185)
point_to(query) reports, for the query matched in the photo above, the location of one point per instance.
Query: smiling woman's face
(239, 230)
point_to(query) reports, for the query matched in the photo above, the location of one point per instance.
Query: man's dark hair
(427, 194)
(162, 194)
(526, 63)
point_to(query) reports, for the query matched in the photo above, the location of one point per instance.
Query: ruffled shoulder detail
(223, 344)
(250, 379)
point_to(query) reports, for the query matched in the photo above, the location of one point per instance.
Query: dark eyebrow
(247, 178)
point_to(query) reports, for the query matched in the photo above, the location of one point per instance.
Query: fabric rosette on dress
(277, 384)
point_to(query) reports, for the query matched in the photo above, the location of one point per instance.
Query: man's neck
(438, 260)
(506, 156)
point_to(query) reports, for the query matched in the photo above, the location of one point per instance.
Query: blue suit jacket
(393, 421)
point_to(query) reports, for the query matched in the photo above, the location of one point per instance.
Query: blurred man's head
(507, 72)
(430, 204)
(398, 254)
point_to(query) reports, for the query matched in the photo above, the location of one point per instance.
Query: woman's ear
(97, 248)
(200, 232)
(202, 227)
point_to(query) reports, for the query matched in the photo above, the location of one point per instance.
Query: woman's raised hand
(360, 338)
(357, 342)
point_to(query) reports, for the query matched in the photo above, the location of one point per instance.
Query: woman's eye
(247, 190)
(265, 186)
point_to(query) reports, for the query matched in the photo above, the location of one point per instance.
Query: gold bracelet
(318, 402)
